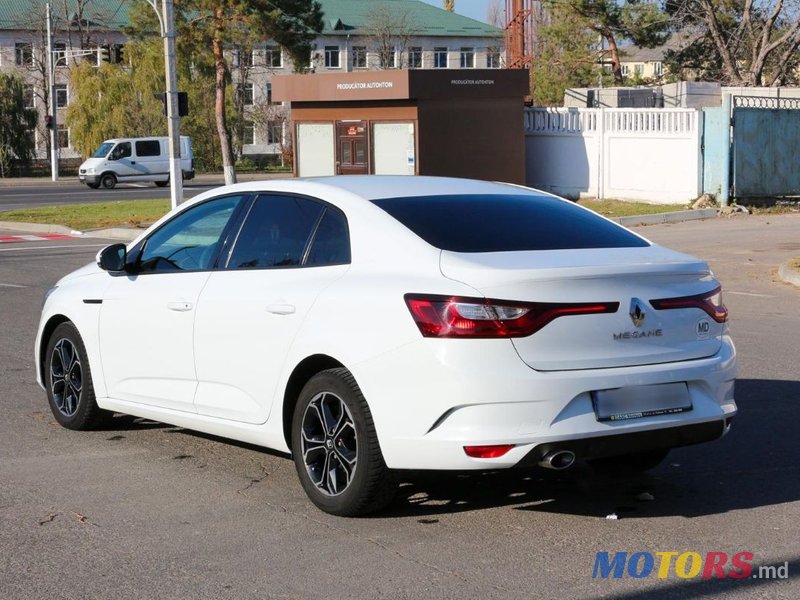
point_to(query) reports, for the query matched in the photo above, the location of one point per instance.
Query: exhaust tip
(558, 460)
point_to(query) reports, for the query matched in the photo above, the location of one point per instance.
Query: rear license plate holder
(640, 401)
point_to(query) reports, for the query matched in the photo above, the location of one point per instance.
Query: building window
(440, 58)
(23, 52)
(492, 58)
(274, 132)
(388, 58)
(638, 70)
(332, 57)
(415, 57)
(60, 54)
(63, 137)
(658, 69)
(246, 94)
(248, 133)
(62, 97)
(268, 93)
(624, 70)
(29, 97)
(245, 58)
(273, 57)
(91, 56)
(468, 58)
(359, 57)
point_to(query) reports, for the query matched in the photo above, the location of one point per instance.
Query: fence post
(601, 151)
(726, 151)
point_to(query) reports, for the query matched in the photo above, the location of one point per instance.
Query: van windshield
(103, 150)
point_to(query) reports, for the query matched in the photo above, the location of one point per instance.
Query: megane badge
(637, 312)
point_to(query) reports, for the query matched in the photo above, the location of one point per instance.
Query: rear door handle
(179, 305)
(281, 309)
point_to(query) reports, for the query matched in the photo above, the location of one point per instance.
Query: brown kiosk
(458, 123)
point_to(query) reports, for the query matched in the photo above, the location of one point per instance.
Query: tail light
(710, 302)
(487, 451)
(458, 317)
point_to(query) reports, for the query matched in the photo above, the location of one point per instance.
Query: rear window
(506, 223)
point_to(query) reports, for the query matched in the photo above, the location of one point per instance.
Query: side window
(275, 233)
(331, 245)
(190, 241)
(121, 150)
(148, 148)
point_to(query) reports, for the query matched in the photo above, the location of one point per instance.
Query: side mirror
(112, 258)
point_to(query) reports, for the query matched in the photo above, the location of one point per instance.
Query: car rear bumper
(472, 394)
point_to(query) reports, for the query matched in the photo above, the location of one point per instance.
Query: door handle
(133, 162)
(281, 309)
(179, 305)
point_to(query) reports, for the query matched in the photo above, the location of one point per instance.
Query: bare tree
(390, 31)
(496, 14)
(449, 5)
(752, 42)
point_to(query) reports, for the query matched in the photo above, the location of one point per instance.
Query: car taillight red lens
(487, 451)
(710, 302)
(458, 317)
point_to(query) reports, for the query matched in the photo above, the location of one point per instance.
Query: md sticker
(703, 329)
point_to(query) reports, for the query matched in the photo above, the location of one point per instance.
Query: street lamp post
(166, 19)
(51, 74)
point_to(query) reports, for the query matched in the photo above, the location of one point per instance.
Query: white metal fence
(651, 154)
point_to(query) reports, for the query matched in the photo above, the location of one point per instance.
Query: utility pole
(51, 71)
(166, 18)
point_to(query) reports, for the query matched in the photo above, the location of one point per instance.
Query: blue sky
(475, 9)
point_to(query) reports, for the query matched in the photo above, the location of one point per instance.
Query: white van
(126, 160)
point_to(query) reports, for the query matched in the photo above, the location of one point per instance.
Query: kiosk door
(352, 148)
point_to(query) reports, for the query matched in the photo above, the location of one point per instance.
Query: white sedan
(371, 324)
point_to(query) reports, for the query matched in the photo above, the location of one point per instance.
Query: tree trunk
(220, 71)
(616, 64)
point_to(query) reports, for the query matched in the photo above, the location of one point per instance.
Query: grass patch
(621, 208)
(131, 213)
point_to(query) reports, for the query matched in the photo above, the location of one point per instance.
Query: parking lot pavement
(146, 510)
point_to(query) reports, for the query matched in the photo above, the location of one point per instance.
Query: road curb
(669, 217)
(112, 233)
(789, 275)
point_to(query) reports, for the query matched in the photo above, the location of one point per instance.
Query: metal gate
(766, 147)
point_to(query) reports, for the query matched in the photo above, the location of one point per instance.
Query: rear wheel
(108, 181)
(335, 447)
(69, 381)
(629, 464)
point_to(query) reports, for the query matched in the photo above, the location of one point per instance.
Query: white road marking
(748, 294)
(49, 247)
(12, 285)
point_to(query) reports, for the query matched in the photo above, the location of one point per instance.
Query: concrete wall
(638, 154)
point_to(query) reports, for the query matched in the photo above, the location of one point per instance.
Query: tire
(94, 186)
(68, 381)
(630, 464)
(108, 181)
(162, 183)
(332, 402)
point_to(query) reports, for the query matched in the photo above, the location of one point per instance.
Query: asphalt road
(145, 510)
(30, 196)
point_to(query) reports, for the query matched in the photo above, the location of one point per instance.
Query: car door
(151, 159)
(287, 251)
(147, 316)
(123, 162)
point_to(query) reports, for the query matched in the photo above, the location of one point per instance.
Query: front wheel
(335, 447)
(108, 181)
(162, 183)
(94, 186)
(69, 381)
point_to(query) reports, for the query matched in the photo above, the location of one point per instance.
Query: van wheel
(162, 183)
(108, 181)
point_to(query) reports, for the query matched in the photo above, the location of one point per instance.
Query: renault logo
(637, 312)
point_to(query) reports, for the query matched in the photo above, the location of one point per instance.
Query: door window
(190, 241)
(122, 150)
(148, 148)
(331, 244)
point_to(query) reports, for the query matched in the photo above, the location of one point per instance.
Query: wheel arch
(53, 322)
(302, 373)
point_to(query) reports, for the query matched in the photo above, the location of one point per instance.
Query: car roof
(375, 187)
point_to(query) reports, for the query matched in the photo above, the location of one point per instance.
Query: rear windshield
(505, 223)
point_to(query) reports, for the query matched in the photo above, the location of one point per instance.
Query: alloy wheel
(66, 377)
(329, 445)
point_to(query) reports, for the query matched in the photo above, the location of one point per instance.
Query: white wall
(636, 154)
